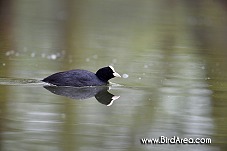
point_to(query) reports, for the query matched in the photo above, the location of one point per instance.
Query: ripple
(17, 81)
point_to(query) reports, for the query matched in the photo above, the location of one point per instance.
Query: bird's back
(77, 78)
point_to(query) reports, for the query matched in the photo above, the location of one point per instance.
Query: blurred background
(171, 53)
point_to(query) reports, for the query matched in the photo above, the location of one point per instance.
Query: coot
(81, 78)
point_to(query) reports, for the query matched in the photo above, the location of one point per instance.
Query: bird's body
(75, 78)
(81, 78)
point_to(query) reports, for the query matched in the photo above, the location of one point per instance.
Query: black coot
(81, 78)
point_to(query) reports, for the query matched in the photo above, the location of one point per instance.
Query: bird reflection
(99, 92)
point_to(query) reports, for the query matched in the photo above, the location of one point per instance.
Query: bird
(82, 78)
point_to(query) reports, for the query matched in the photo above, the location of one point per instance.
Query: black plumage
(81, 78)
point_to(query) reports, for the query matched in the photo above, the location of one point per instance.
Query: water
(171, 56)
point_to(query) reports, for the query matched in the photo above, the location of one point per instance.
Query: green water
(172, 55)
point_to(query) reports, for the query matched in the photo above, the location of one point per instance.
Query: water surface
(172, 56)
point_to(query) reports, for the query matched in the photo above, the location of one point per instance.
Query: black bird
(81, 78)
